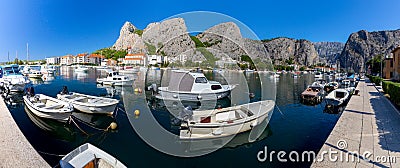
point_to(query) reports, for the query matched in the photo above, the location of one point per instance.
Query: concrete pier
(366, 135)
(15, 150)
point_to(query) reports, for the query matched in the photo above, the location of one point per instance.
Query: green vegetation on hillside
(138, 32)
(197, 42)
(151, 49)
(268, 40)
(250, 63)
(210, 59)
(111, 53)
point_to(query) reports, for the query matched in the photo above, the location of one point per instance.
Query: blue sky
(56, 27)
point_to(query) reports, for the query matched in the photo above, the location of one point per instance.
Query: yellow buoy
(137, 112)
(138, 90)
(113, 125)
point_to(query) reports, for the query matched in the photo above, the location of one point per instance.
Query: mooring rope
(283, 115)
(71, 119)
(88, 124)
(51, 154)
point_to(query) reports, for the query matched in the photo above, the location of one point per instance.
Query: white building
(67, 60)
(135, 59)
(53, 60)
(82, 58)
(95, 59)
(155, 59)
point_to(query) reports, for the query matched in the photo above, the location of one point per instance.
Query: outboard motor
(186, 114)
(30, 91)
(64, 90)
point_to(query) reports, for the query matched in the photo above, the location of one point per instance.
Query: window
(201, 80)
(216, 87)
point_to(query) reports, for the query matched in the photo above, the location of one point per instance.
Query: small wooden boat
(331, 86)
(223, 122)
(48, 107)
(313, 94)
(88, 155)
(337, 97)
(88, 103)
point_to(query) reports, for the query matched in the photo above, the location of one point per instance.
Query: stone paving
(15, 150)
(369, 128)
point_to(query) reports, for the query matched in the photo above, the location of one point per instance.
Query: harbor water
(293, 127)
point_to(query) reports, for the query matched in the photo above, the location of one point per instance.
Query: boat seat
(79, 98)
(40, 105)
(55, 106)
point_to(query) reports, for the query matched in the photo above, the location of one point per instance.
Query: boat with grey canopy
(192, 86)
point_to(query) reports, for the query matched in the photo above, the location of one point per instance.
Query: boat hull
(109, 110)
(207, 131)
(55, 116)
(166, 95)
(91, 108)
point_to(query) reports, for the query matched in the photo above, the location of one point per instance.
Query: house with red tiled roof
(67, 60)
(95, 59)
(135, 59)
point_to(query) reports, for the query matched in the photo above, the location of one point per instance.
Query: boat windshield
(11, 71)
(201, 80)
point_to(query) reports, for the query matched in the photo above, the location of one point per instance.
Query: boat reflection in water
(258, 133)
(13, 99)
(79, 123)
(59, 130)
(36, 81)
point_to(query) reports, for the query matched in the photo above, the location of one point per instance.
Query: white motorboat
(47, 70)
(88, 103)
(114, 78)
(12, 80)
(88, 155)
(223, 122)
(346, 84)
(34, 74)
(318, 75)
(192, 86)
(320, 82)
(331, 86)
(337, 97)
(274, 75)
(81, 69)
(48, 107)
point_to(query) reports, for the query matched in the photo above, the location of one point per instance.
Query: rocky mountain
(329, 51)
(284, 49)
(226, 39)
(129, 38)
(364, 44)
(170, 37)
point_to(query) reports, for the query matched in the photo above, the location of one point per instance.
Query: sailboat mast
(27, 53)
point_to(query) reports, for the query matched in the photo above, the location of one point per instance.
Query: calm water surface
(295, 127)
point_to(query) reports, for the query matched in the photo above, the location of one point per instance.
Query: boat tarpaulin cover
(180, 81)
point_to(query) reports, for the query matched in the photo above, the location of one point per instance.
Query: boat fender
(92, 109)
(175, 96)
(217, 132)
(255, 123)
(199, 97)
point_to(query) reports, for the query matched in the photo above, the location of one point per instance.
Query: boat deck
(15, 149)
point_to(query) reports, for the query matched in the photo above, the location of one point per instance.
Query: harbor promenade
(366, 135)
(15, 150)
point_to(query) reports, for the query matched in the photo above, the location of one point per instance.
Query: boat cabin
(116, 76)
(191, 82)
(10, 70)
